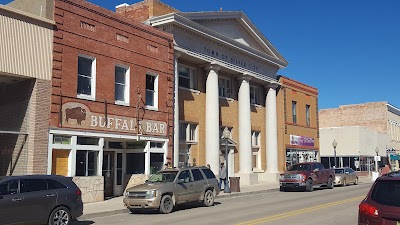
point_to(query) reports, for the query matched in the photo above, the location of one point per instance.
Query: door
(11, 203)
(184, 186)
(108, 174)
(199, 185)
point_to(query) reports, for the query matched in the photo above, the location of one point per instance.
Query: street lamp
(226, 134)
(376, 160)
(334, 144)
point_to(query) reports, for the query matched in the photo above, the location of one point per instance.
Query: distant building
(298, 129)
(359, 129)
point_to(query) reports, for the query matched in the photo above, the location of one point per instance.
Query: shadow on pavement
(176, 209)
(88, 222)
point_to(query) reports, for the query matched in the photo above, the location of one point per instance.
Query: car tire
(344, 182)
(330, 183)
(60, 215)
(208, 198)
(309, 187)
(282, 189)
(166, 204)
(356, 181)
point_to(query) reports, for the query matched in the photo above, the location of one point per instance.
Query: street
(323, 206)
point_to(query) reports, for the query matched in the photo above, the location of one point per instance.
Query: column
(212, 118)
(245, 148)
(100, 157)
(271, 129)
(176, 111)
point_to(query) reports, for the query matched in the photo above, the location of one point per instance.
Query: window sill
(122, 103)
(191, 142)
(197, 92)
(152, 108)
(86, 97)
(256, 105)
(227, 99)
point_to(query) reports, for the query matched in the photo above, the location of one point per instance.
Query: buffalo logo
(77, 113)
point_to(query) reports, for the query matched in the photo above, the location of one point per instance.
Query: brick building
(225, 72)
(26, 41)
(111, 99)
(298, 129)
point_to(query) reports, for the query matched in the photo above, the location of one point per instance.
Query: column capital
(213, 66)
(272, 85)
(245, 77)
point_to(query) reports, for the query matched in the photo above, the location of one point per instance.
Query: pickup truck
(307, 176)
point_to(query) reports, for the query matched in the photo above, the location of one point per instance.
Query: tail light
(78, 192)
(368, 209)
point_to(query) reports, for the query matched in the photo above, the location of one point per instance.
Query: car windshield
(300, 167)
(339, 171)
(163, 176)
(387, 192)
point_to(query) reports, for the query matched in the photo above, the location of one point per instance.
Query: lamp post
(376, 160)
(226, 134)
(334, 144)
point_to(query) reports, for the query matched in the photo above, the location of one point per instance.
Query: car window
(387, 192)
(209, 174)
(52, 184)
(9, 188)
(31, 185)
(300, 167)
(197, 175)
(320, 166)
(185, 176)
(339, 171)
(351, 170)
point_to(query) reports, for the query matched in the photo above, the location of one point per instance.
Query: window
(386, 192)
(31, 185)
(135, 163)
(187, 77)
(255, 95)
(121, 85)
(209, 174)
(151, 91)
(156, 144)
(192, 132)
(52, 184)
(294, 111)
(224, 87)
(256, 156)
(185, 176)
(188, 132)
(86, 163)
(61, 140)
(308, 115)
(87, 141)
(86, 76)
(9, 188)
(156, 162)
(255, 138)
(136, 145)
(115, 145)
(182, 131)
(197, 175)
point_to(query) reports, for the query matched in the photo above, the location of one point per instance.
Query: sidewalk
(115, 205)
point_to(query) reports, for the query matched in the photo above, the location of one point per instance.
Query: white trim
(152, 108)
(193, 81)
(197, 92)
(226, 94)
(127, 85)
(155, 97)
(92, 95)
(50, 154)
(122, 5)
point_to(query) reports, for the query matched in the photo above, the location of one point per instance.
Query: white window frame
(294, 112)
(92, 96)
(308, 115)
(186, 128)
(255, 139)
(127, 86)
(155, 98)
(192, 77)
(256, 93)
(256, 149)
(226, 89)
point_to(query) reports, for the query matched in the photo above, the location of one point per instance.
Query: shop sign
(77, 115)
(302, 140)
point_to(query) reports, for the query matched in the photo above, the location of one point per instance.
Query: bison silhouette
(77, 113)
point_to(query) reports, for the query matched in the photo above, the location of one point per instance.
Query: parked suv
(167, 188)
(382, 204)
(39, 199)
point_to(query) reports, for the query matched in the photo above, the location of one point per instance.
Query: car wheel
(208, 198)
(309, 187)
(330, 183)
(356, 181)
(166, 205)
(344, 182)
(282, 189)
(60, 216)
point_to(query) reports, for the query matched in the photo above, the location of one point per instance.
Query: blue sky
(348, 49)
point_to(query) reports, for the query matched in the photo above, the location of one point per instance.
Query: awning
(12, 132)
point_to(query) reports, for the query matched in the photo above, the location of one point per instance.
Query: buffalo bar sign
(77, 115)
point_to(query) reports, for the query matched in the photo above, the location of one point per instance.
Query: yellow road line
(301, 211)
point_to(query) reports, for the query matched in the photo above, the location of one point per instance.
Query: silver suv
(169, 187)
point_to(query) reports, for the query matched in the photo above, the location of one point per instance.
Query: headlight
(127, 194)
(151, 194)
(282, 177)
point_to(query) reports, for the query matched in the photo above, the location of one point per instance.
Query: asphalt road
(337, 206)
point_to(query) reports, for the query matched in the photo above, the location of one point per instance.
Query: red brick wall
(70, 40)
(144, 10)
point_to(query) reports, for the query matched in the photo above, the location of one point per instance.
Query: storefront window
(115, 145)
(156, 144)
(156, 162)
(87, 141)
(136, 145)
(86, 163)
(135, 163)
(65, 140)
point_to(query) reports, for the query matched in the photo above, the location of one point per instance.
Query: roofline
(298, 82)
(397, 110)
(27, 15)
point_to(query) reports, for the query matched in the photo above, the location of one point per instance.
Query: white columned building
(176, 110)
(212, 118)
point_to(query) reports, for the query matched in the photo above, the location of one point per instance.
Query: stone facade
(92, 188)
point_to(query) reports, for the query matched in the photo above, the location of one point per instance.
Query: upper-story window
(294, 111)
(86, 77)
(187, 77)
(152, 91)
(308, 115)
(121, 84)
(224, 87)
(255, 138)
(255, 95)
(188, 132)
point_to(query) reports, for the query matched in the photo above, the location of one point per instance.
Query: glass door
(108, 174)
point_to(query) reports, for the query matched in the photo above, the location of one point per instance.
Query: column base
(247, 179)
(269, 177)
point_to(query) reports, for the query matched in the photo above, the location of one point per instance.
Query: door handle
(17, 199)
(50, 195)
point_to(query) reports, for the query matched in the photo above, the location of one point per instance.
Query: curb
(235, 194)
